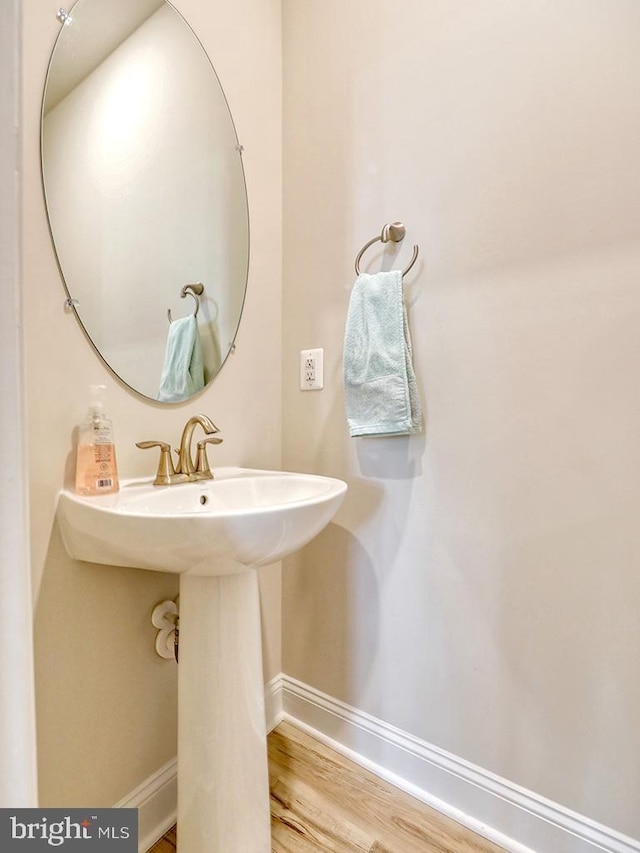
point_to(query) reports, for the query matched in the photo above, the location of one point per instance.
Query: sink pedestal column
(223, 781)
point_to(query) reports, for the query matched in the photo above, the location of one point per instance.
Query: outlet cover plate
(311, 370)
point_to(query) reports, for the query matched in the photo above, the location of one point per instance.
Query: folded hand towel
(380, 385)
(182, 372)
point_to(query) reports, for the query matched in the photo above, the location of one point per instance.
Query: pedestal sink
(214, 533)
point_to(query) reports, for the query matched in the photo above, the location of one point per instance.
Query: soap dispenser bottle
(96, 470)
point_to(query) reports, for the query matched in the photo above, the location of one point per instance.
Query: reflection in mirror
(144, 188)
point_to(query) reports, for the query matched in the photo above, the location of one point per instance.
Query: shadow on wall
(391, 458)
(323, 584)
(335, 607)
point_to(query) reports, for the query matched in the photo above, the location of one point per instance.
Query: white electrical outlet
(311, 372)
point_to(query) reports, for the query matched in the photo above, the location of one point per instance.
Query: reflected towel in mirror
(183, 371)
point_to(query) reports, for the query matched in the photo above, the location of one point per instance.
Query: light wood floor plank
(323, 803)
(393, 818)
(310, 815)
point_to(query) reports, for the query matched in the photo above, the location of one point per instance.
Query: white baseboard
(157, 802)
(273, 701)
(514, 818)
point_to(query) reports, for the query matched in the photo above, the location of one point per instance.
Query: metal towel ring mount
(194, 290)
(394, 231)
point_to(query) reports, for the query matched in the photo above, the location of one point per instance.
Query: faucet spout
(185, 464)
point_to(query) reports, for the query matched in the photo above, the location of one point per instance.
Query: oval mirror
(145, 194)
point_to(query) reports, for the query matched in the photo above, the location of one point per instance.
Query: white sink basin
(241, 519)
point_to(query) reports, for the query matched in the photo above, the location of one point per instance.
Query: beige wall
(479, 589)
(479, 586)
(106, 703)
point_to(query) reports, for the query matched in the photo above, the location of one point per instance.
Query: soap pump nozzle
(96, 406)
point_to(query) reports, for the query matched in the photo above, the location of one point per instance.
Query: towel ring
(394, 231)
(194, 290)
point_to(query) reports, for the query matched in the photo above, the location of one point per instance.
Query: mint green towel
(183, 371)
(380, 384)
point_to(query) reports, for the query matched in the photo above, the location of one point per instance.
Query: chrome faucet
(186, 471)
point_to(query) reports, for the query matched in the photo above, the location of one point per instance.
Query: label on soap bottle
(96, 472)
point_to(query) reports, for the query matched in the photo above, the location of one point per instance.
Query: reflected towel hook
(194, 290)
(393, 231)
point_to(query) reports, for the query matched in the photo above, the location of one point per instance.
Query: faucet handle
(203, 472)
(166, 473)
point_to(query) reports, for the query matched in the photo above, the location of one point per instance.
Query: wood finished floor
(323, 803)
